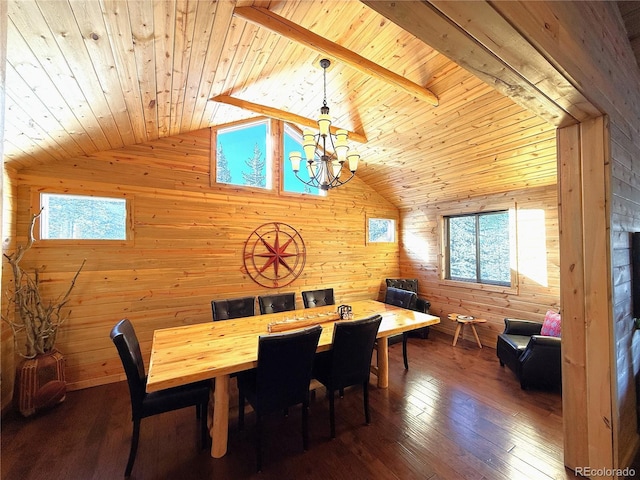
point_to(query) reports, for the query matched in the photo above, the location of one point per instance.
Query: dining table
(216, 350)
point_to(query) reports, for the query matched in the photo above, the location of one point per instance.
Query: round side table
(463, 320)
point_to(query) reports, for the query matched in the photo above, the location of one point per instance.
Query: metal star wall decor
(274, 255)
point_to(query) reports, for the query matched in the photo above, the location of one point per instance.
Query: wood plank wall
(625, 219)
(7, 350)
(187, 248)
(6, 342)
(538, 281)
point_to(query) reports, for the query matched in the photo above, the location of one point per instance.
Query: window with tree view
(80, 217)
(381, 230)
(293, 142)
(241, 155)
(478, 248)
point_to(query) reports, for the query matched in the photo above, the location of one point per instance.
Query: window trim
(56, 242)
(511, 208)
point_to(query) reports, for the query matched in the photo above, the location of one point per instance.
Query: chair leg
(305, 425)
(134, 447)
(365, 395)
(240, 410)
(332, 414)
(258, 442)
(203, 424)
(404, 350)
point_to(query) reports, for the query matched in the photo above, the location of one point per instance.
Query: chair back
(351, 352)
(233, 308)
(124, 337)
(285, 362)
(279, 302)
(410, 284)
(401, 298)
(318, 298)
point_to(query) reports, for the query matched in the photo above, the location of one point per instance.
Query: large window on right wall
(478, 248)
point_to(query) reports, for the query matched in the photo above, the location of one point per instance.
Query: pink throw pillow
(551, 325)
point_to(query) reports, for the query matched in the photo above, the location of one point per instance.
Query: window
(381, 230)
(242, 155)
(478, 248)
(81, 217)
(293, 142)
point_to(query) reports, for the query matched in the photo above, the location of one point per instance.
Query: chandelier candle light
(324, 169)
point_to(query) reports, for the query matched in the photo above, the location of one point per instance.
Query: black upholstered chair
(281, 379)
(348, 362)
(535, 359)
(233, 308)
(279, 302)
(318, 298)
(405, 299)
(422, 304)
(147, 404)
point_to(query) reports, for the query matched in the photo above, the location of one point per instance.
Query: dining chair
(318, 298)
(348, 362)
(279, 302)
(405, 299)
(280, 380)
(145, 404)
(422, 304)
(233, 308)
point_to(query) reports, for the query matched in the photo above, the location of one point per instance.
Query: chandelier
(325, 166)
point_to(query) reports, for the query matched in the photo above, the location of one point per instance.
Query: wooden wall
(625, 218)
(6, 342)
(538, 279)
(187, 247)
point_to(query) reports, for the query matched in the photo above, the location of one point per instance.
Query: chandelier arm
(324, 167)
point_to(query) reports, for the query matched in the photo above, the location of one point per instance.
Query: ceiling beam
(282, 115)
(488, 46)
(267, 19)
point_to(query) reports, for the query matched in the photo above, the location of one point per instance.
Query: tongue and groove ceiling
(87, 76)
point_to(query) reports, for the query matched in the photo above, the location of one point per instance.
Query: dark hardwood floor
(456, 414)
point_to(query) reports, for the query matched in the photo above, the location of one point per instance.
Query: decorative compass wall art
(274, 255)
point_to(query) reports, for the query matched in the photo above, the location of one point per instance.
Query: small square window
(381, 230)
(80, 217)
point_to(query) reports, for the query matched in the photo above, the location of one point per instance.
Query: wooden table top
(186, 354)
(455, 317)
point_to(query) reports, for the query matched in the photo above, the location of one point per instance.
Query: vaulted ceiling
(86, 76)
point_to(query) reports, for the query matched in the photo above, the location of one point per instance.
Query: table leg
(459, 328)
(475, 333)
(383, 362)
(220, 425)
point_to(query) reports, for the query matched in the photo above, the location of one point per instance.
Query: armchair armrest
(540, 363)
(544, 341)
(422, 305)
(515, 326)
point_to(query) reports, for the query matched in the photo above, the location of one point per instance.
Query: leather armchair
(422, 304)
(535, 359)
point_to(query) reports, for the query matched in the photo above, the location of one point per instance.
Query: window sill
(513, 290)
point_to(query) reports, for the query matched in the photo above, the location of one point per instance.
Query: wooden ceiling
(87, 76)
(630, 12)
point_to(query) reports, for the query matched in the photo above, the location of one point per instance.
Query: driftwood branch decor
(36, 318)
